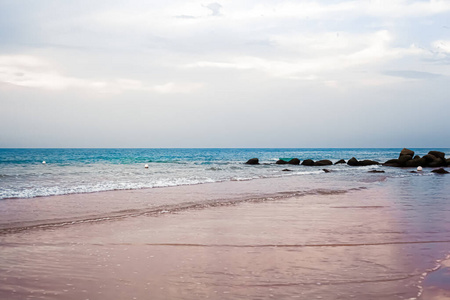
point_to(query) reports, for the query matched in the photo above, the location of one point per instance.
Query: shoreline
(289, 248)
(435, 283)
(59, 209)
(291, 237)
(329, 245)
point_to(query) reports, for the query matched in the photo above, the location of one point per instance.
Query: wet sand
(436, 285)
(336, 246)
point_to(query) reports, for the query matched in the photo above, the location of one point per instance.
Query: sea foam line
(18, 227)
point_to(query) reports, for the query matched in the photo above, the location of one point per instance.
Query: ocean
(200, 223)
(72, 171)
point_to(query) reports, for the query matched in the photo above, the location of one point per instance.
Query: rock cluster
(294, 161)
(433, 159)
(367, 162)
(406, 158)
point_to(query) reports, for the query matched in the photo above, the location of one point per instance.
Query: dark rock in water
(403, 159)
(414, 163)
(308, 162)
(434, 161)
(281, 162)
(429, 158)
(438, 162)
(323, 162)
(375, 171)
(294, 161)
(253, 161)
(368, 162)
(353, 162)
(440, 171)
(406, 152)
(341, 161)
(448, 161)
(438, 154)
(326, 170)
(286, 170)
(413, 172)
(392, 163)
(422, 161)
(416, 157)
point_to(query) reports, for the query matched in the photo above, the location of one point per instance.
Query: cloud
(171, 87)
(347, 9)
(33, 72)
(405, 8)
(185, 17)
(412, 74)
(29, 71)
(442, 46)
(215, 8)
(310, 55)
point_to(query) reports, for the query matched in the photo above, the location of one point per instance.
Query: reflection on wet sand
(338, 246)
(437, 283)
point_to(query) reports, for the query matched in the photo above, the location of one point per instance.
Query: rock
(392, 163)
(253, 161)
(414, 163)
(416, 157)
(294, 161)
(440, 171)
(403, 159)
(368, 162)
(341, 161)
(353, 162)
(438, 154)
(326, 170)
(434, 161)
(375, 171)
(429, 158)
(281, 162)
(448, 161)
(438, 162)
(323, 162)
(286, 170)
(406, 152)
(308, 162)
(412, 171)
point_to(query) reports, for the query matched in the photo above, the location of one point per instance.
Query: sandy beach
(225, 150)
(322, 245)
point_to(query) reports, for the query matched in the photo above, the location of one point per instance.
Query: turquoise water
(72, 171)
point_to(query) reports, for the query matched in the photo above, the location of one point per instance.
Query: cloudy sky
(225, 74)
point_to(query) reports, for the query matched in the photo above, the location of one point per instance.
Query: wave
(163, 209)
(103, 187)
(63, 181)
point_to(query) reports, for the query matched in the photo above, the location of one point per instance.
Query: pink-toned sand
(319, 246)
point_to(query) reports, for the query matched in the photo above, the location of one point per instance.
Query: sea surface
(200, 223)
(73, 171)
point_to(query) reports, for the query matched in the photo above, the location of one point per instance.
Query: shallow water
(73, 171)
(371, 236)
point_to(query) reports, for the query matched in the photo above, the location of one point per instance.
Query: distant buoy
(44, 162)
(146, 166)
(419, 168)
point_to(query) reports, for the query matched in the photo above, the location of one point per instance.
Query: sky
(228, 73)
